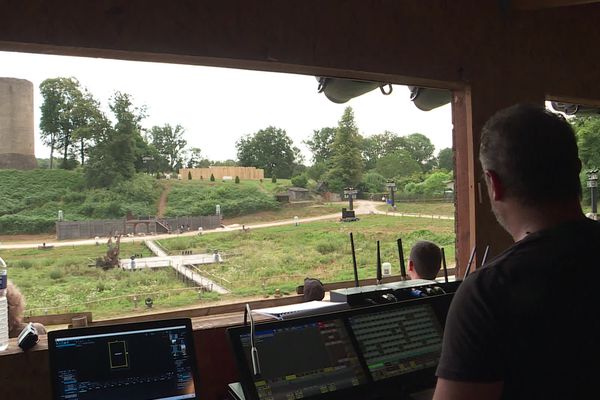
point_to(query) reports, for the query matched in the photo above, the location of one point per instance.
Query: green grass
(201, 197)
(426, 208)
(256, 263)
(288, 211)
(259, 261)
(60, 280)
(30, 200)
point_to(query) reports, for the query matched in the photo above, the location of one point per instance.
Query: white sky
(217, 106)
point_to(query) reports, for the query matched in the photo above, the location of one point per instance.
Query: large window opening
(146, 149)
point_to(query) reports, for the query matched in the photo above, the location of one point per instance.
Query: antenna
(470, 262)
(401, 258)
(444, 265)
(356, 283)
(378, 264)
(485, 254)
(253, 350)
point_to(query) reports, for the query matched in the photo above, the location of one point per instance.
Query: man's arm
(455, 390)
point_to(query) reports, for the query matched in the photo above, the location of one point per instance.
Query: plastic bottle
(3, 307)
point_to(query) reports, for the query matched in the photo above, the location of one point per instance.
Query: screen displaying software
(400, 341)
(153, 363)
(288, 371)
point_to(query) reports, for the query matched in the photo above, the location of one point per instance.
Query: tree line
(341, 157)
(109, 149)
(112, 148)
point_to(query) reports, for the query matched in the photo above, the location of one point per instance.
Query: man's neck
(523, 220)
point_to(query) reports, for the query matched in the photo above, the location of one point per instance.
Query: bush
(274, 179)
(326, 247)
(237, 179)
(56, 274)
(300, 181)
(212, 177)
(189, 175)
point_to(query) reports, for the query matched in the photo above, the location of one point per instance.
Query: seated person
(425, 260)
(16, 308)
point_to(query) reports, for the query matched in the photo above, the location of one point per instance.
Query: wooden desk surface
(26, 375)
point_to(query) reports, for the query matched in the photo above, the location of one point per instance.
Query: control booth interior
(488, 54)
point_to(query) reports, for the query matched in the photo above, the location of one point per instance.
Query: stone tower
(17, 144)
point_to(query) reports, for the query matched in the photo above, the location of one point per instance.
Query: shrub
(300, 181)
(56, 274)
(326, 247)
(212, 177)
(237, 179)
(189, 175)
(274, 179)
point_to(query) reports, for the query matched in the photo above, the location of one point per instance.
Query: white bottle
(386, 269)
(3, 307)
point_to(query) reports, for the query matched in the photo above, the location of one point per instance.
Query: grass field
(426, 208)
(262, 260)
(301, 210)
(256, 263)
(60, 280)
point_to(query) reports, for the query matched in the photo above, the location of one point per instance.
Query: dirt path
(361, 207)
(162, 201)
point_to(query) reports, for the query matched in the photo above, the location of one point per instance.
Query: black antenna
(401, 258)
(444, 265)
(470, 262)
(485, 254)
(378, 264)
(356, 283)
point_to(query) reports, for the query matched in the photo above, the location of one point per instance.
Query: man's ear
(411, 265)
(494, 184)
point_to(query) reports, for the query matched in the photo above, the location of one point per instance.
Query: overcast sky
(217, 106)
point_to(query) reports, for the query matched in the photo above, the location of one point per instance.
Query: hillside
(201, 197)
(30, 200)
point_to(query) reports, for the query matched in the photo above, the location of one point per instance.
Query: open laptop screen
(149, 360)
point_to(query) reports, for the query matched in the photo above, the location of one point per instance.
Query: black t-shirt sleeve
(472, 347)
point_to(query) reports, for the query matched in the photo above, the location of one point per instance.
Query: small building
(298, 194)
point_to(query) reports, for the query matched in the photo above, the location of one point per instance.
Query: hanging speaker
(572, 109)
(426, 99)
(341, 90)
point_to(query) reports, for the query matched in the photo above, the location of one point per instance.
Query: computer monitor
(148, 360)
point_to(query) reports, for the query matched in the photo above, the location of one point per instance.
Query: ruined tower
(17, 144)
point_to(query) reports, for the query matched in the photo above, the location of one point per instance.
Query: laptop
(137, 361)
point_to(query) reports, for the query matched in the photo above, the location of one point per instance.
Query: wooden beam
(539, 4)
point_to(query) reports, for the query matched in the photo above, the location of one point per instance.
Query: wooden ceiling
(538, 4)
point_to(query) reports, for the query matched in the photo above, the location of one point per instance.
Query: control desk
(379, 352)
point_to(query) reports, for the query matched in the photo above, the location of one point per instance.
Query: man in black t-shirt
(526, 325)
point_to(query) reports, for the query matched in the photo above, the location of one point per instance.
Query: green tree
(397, 164)
(270, 149)
(421, 150)
(372, 182)
(112, 160)
(69, 114)
(445, 159)
(169, 143)
(300, 181)
(346, 161)
(380, 145)
(195, 159)
(320, 144)
(433, 186)
(587, 130)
